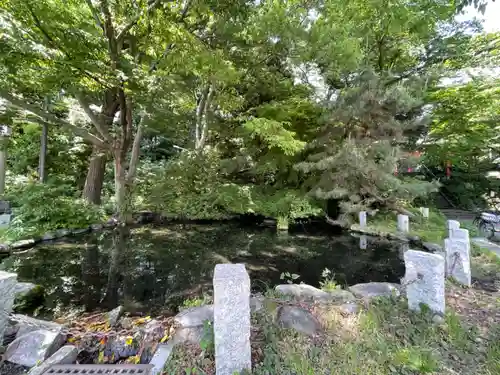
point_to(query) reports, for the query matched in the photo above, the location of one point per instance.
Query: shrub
(39, 208)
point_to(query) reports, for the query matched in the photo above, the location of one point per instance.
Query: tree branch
(204, 120)
(50, 118)
(136, 148)
(101, 128)
(94, 14)
(133, 22)
(109, 32)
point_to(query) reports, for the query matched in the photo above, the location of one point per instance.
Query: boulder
(150, 336)
(195, 316)
(62, 233)
(371, 290)
(25, 324)
(96, 227)
(80, 231)
(341, 295)
(191, 335)
(49, 236)
(34, 347)
(64, 356)
(23, 244)
(303, 292)
(299, 319)
(310, 293)
(349, 308)
(114, 315)
(121, 346)
(23, 289)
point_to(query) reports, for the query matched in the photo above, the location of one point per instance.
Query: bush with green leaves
(39, 208)
(194, 186)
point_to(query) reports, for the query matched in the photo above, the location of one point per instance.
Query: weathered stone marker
(424, 211)
(424, 280)
(231, 319)
(452, 225)
(362, 219)
(460, 234)
(403, 223)
(363, 242)
(458, 260)
(8, 283)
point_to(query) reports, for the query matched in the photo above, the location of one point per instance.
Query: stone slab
(363, 242)
(8, 282)
(232, 319)
(161, 357)
(5, 220)
(424, 279)
(64, 356)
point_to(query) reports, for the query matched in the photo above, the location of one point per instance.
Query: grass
(384, 339)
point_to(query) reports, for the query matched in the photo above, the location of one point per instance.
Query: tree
(119, 55)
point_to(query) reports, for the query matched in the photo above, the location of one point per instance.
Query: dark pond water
(154, 268)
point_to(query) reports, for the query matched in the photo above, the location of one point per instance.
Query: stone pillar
(8, 283)
(457, 249)
(424, 280)
(362, 219)
(452, 225)
(363, 242)
(424, 211)
(5, 133)
(403, 223)
(458, 260)
(231, 319)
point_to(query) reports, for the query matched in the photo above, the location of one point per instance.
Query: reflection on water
(149, 268)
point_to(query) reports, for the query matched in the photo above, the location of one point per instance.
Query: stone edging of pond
(141, 217)
(412, 240)
(55, 235)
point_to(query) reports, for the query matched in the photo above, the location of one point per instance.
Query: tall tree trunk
(43, 153)
(122, 191)
(95, 177)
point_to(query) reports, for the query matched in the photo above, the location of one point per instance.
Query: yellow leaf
(71, 339)
(100, 358)
(164, 338)
(129, 340)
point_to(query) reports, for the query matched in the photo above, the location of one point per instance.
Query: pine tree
(355, 156)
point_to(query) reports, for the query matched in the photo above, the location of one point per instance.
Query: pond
(153, 269)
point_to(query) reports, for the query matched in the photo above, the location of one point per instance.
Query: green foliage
(356, 155)
(39, 208)
(328, 282)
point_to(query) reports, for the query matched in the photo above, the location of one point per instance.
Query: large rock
(23, 289)
(371, 290)
(195, 316)
(150, 334)
(8, 283)
(191, 335)
(308, 292)
(64, 356)
(299, 319)
(34, 347)
(114, 315)
(121, 347)
(25, 324)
